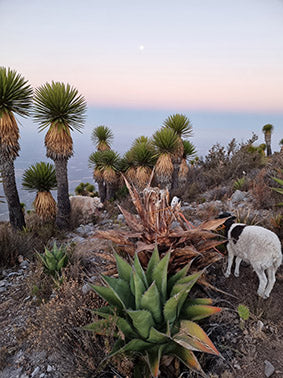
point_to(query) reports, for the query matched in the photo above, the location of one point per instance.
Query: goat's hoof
(226, 275)
(261, 294)
(236, 274)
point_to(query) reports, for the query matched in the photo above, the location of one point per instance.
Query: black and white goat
(256, 245)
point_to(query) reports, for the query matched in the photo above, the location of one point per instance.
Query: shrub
(153, 314)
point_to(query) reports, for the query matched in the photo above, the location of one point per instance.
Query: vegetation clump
(154, 315)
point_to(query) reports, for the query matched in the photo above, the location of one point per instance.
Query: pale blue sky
(198, 54)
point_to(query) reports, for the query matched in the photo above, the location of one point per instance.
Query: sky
(198, 55)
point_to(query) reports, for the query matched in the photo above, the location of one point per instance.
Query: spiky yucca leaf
(59, 104)
(150, 320)
(15, 93)
(189, 149)
(180, 124)
(143, 154)
(165, 141)
(40, 177)
(268, 128)
(102, 137)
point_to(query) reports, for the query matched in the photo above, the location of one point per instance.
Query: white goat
(259, 247)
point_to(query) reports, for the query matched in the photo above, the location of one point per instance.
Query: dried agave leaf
(131, 220)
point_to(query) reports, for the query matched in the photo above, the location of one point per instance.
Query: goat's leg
(262, 282)
(271, 281)
(230, 260)
(237, 266)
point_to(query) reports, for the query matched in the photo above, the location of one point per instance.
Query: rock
(3, 289)
(260, 325)
(86, 288)
(49, 369)
(42, 375)
(24, 264)
(78, 239)
(85, 229)
(238, 196)
(3, 283)
(268, 369)
(35, 372)
(120, 218)
(20, 259)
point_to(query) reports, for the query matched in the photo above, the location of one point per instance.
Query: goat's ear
(228, 223)
(224, 215)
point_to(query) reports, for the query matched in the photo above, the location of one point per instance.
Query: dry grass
(58, 142)
(45, 206)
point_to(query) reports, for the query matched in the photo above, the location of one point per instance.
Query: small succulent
(239, 183)
(54, 260)
(153, 314)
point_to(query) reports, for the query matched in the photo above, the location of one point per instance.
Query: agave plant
(153, 314)
(154, 224)
(54, 261)
(166, 143)
(41, 178)
(102, 137)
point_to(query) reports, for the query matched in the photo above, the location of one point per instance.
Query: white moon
(141, 47)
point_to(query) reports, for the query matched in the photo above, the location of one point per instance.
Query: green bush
(153, 315)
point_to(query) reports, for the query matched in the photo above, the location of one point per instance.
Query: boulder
(84, 209)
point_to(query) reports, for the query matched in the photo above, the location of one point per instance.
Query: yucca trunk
(98, 177)
(110, 179)
(183, 174)
(45, 206)
(16, 214)
(63, 201)
(9, 135)
(267, 136)
(163, 170)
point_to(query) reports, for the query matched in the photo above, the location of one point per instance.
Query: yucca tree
(95, 162)
(189, 151)
(127, 166)
(102, 137)
(144, 158)
(15, 98)
(182, 127)
(267, 130)
(59, 107)
(106, 168)
(281, 144)
(166, 144)
(41, 178)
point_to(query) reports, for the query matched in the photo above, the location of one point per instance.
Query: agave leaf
(174, 304)
(154, 260)
(61, 263)
(278, 190)
(142, 321)
(126, 328)
(101, 327)
(278, 180)
(42, 259)
(157, 337)
(191, 279)
(51, 263)
(105, 312)
(124, 269)
(180, 274)
(201, 301)
(48, 253)
(160, 276)
(188, 358)
(199, 311)
(151, 301)
(132, 284)
(153, 360)
(135, 345)
(139, 270)
(121, 288)
(109, 295)
(139, 289)
(191, 336)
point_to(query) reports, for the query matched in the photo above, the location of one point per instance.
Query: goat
(256, 245)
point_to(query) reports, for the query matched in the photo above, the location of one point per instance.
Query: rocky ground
(250, 349)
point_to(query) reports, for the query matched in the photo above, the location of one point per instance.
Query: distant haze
(127, 124)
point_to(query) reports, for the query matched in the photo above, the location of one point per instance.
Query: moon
(141, 47)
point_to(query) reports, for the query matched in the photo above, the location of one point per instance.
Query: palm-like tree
(95, 162)
(41, 178)
(144, 159)
(166, 144)
(59, 107)
(267, 130)
(189, 151)
(127, 166)
(102, 137)
(106, 166)
(15, 98)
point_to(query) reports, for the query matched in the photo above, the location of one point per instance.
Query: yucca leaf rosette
(153, 314)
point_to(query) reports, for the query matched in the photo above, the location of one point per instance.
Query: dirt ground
(245, 346)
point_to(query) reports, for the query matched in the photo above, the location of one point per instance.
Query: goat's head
(229, 221)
